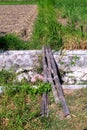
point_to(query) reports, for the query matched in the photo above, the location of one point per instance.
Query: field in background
(60, 24)
(16, 27)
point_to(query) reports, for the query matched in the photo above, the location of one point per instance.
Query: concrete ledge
(66, 52)
(71, 52)
(72, 63)
(20, 52)
(74, 87)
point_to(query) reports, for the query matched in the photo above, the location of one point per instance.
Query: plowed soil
(18, 19)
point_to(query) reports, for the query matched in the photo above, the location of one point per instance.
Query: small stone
(31, 74)
(22, 76)
(65, 79)
(19, 70)
(1, 91)
(71, 81)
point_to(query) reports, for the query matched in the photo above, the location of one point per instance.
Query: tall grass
(75, 10)
(46, 29)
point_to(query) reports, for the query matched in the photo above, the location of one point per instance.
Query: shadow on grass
(12, 42)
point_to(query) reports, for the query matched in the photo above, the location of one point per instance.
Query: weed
(6, 77)
(74, 59)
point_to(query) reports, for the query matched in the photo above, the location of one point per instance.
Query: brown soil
(63, 21)
(17, 19)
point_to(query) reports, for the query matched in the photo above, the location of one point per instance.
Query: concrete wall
(72, 64)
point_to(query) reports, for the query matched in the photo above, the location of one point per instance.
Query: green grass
(6, 78)
(13, 42)
(20, 107)
(74, 13)
(17, 2)
(47, 29)
(74, 10)
(20, 110)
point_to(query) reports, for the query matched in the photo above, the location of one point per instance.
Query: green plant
(29, 89)
(46, 30)
(74, 59)
(6, 77)
(12, 42)
(19, 112)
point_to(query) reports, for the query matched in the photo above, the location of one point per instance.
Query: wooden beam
(45, 109)
(58, 85)
(50, 79)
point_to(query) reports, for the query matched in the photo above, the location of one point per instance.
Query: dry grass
(74, 43)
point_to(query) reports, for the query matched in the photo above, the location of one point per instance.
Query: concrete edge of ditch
(72, 64)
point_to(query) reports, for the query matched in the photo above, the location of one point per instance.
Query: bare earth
(17, 19)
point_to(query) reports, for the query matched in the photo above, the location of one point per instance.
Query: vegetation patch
(12, 42)
(20, 106)
(46, 29)
(20, 109)
(60, 24)
(73, 19)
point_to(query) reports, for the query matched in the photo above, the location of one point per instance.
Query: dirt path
(17, 19)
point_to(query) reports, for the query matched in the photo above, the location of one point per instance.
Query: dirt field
(17, 19)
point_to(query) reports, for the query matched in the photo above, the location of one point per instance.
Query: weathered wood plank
(50, 79)
(58, 85)
(45, 109)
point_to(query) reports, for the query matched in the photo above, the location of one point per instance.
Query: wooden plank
(50, 79)
(45, 109)
(58, 85)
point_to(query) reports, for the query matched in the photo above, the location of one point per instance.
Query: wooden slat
(45, 109)
(50, 79)
(58, 85)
